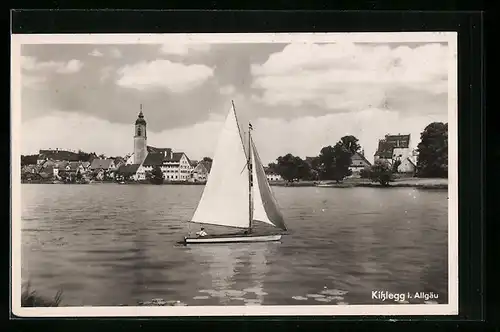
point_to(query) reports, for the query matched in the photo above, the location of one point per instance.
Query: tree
(157, 175)
(365, 172)
(291, 167)
(395, 165)
(84, 156)
(106, 176)
(326, 162)
(350, 143)
(333, 162)
(303, 169)
(63, 175)
(29, 160)
(433, 151)
(342, 162)
(272, 167)
(78, 175)
(208, 159)
(380, 172)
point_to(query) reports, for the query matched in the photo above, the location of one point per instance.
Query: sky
(299, 97)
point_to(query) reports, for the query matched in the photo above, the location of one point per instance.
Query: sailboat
(237, 192)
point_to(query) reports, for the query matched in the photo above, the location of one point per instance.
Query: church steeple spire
(140, 118)
(140, 139)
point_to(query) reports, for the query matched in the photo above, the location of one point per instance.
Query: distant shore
(423, 183)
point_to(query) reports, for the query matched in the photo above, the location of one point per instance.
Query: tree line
(333, 162)
(82, 156)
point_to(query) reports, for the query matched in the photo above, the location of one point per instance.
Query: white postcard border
(296, 310)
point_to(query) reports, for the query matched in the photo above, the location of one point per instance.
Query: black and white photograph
(234, 174)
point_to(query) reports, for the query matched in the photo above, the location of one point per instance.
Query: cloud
(304, 136)
(183, 49)
(111, 138)
(116, 53)
(73, 66)
(175, 77)
(33, 82)
(96, 53)
(349, 76)
(106, 73)
(29, 63)
(227, 90)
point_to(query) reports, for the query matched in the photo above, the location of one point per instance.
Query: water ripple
(113, 244)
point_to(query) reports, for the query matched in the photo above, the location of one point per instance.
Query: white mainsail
(224, 200)
(265, 206)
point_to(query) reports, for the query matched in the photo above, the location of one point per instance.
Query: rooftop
(399, 141)
(128, 169)
(359, 156)
(384, 149)
(101, 163)
(158, 158)
(387, 145)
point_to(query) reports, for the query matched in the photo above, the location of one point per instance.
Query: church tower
(140, 139)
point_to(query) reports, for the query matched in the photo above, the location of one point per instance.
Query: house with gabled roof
(105, 164)
(358, 162)
(130, 172)
(201, 171)
(397, 148)
(101, 166)
(271, 175)
(175, 166)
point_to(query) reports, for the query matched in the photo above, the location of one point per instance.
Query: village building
(119, 161)
(76, 167)
(358, 162)
(49, 171)
(131, 172)
(200, 171)
(175, 166)
(272, 175)
(397, 147)
(102, 166)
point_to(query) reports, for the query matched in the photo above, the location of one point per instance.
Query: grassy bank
(356, 182)
(30, 298)
(423, 183)
(116, 182)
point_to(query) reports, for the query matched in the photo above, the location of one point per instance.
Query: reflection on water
(234, 273)
(110, 245)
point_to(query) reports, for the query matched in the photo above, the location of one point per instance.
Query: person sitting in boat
(201, 232)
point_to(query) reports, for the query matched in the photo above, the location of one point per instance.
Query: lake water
(110, 244)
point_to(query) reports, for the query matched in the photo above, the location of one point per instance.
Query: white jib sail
(224, 200)
(259, 212)
(265, 205)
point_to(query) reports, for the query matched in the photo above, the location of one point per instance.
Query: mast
(250, 179)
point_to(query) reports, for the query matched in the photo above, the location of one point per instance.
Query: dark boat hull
(231, 239)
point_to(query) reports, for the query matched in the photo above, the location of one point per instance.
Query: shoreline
(421, 183)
